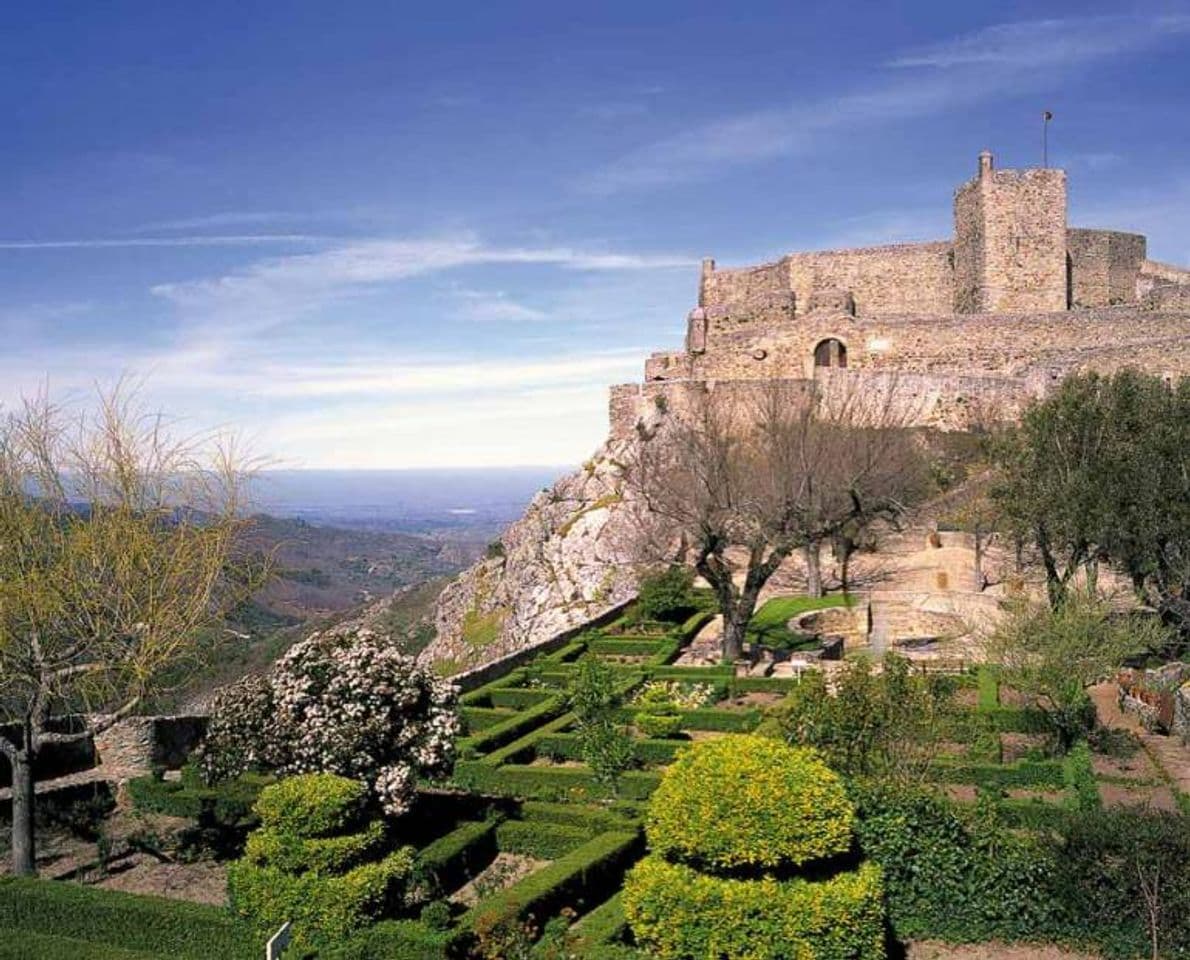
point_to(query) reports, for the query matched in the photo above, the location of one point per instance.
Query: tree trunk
(734, 629)
(23, 849)
(980, 583)
(813, 553)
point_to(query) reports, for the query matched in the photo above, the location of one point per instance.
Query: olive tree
(1100, 470)
(119, 554)
(785, 467)
(1053, 655)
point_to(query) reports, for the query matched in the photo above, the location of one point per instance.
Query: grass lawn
(21, 945)
(768, 625)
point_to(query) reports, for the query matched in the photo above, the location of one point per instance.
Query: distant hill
(324, 574)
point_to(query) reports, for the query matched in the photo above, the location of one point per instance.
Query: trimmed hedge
(121, 921)
(604, 925)
(312, 805)
(228, 803)
(395, 940)
(585, 876)
(595, 820)
(479, 696)
(781, 685)
(723, 721)
(677, 912)
(452, 860)
(513, 728)
(480, 718)
(952, 875)
(324, 909)
(519, 698)
(316, 854)
(628, 647)
(525, 747)
(566, 746)
(549, 783)
(1023, 773)
(548, 841)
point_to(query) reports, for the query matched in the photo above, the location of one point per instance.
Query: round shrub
(677, 913)
(268, 847)
(748, 801)
(311, 805)
(317, 860)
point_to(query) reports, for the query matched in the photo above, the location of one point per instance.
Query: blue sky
(387, 235)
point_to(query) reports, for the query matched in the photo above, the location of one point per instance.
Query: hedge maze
(520, 792)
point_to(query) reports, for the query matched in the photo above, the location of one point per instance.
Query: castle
(969, 327)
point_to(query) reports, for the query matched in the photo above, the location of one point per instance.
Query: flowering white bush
(684, 696)
(346, 703)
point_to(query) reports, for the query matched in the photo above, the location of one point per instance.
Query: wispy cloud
(229, 218)
(996, 61)
(280, 288)
(227, 240)
(1053, 42)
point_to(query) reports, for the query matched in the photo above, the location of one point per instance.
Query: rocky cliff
(571, 558)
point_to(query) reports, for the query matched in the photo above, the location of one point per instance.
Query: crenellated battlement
(979, 323)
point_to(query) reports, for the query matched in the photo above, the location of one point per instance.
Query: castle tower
(1010, 241)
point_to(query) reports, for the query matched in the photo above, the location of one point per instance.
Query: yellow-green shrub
(312, 805)
(747, 801)
(677, 913)
(270, 848)
(324, 909)
(306, 862)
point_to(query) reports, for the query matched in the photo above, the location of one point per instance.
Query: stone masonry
(969, 328)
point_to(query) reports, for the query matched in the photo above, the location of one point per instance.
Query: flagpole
(1046, 117)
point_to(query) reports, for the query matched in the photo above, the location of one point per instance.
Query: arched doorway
(830, 353)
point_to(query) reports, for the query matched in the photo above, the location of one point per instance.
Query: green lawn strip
(988, 687)
(24, 945)
(125, 921)
(770, 623)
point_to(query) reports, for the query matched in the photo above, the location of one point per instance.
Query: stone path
(1171, 755)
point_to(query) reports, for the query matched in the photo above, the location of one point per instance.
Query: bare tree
(118, 554)
(789, 466)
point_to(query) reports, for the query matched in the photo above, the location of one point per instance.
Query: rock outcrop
(571, 558)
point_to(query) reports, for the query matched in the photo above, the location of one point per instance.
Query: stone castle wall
(905, 278)
(1105, 266)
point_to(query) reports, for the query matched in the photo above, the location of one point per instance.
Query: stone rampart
(1104, 266)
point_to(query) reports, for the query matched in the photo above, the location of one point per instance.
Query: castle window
(830, 353)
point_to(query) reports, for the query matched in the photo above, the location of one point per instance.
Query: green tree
(883, 723)
(119, 553)
(1053, 655)
(596, 699)
(1100, 470)
(666, 595)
